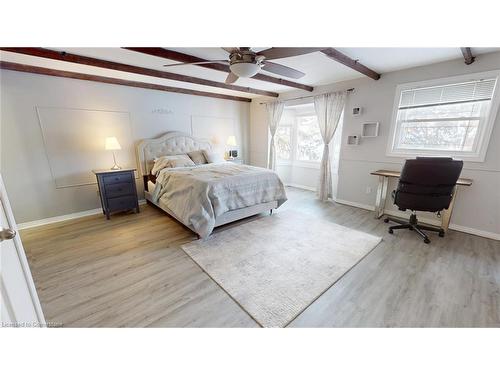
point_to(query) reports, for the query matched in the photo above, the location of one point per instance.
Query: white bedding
(151, 186)
(198, 195)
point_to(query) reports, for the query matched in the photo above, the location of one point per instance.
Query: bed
(205, 196)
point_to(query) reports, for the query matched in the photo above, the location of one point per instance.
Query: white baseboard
(356, 204)
(57, 219)
(476, 232)
(401, 214)
(304, 187)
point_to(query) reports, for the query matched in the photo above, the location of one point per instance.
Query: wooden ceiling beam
(185, 58)
(468, 57)
(115, 81)
(84, 60)
(353, 64)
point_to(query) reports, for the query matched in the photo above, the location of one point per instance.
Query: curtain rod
(304, 97)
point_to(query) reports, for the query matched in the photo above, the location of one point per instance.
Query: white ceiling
(319, 69)
(384, 60)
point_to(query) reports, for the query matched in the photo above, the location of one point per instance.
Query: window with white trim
(298, 140)
(451, 117)
(283, 142)
(309, 141)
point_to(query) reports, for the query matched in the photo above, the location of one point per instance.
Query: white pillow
(178, 163)
(197, 157)
(213, 157)
(171, 161)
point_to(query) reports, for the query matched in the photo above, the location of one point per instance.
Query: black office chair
(425, 184)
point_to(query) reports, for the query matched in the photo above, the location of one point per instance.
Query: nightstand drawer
(118, 178)
(122, 203)
(117, 190)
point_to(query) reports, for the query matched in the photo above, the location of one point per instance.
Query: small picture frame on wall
(356, 111)
(370, 129)
(353, 140)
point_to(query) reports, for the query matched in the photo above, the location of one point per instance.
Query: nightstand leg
(107, 215)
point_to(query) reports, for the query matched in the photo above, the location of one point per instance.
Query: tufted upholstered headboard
(171, 143)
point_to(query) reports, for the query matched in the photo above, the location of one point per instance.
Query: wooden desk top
(386, 173)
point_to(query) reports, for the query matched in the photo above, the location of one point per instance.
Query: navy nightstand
(117, 190)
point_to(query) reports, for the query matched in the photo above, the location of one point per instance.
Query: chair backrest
(426, 184)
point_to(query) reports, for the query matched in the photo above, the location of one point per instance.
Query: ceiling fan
(243, 62)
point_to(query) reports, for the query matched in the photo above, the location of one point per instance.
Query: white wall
(477, 207)
(24, 163)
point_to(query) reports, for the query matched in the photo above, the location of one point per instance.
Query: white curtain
(328, 108)
(274, 112)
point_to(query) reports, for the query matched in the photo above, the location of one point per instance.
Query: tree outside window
(309, 141)
(298, 139)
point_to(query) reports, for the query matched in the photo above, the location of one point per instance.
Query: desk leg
(446, 214)
(381, 196)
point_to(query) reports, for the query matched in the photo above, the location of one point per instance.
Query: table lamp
(231, 141)
(111, 144)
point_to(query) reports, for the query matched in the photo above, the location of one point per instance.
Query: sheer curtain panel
(328, 108)
(274, 112)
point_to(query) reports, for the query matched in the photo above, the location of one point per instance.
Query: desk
(384, 176)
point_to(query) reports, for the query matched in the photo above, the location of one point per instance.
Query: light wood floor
(130, 272)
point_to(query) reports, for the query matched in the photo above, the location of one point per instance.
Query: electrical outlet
(368, 190)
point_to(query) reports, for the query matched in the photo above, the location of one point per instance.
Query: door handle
(7, 234)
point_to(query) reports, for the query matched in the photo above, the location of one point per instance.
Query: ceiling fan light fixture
(245, 69)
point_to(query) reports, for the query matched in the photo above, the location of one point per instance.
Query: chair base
(413, 225)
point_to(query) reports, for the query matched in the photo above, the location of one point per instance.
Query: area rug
(276, 266)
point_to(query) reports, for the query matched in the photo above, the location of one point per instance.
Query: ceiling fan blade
(231, 78)
(200, 63)
(281, 52)
(231, 49)
(282, 70)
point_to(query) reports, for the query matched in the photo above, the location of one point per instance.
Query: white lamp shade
(231, 140)
(111, 143)
(245, 69)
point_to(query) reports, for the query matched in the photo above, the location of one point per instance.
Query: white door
(19, 301)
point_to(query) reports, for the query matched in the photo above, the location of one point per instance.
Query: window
(309, 141)
(447, 117)
(298, 140)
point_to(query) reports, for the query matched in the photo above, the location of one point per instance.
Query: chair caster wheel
(426, 240)
(390, 231)
(410, 228)
(441, 233)
(386, 220)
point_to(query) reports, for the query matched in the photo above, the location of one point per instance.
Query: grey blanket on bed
(198, 195)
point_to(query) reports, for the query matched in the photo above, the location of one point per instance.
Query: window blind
(466, 92)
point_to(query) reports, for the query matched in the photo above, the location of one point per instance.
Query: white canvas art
(74, 142)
